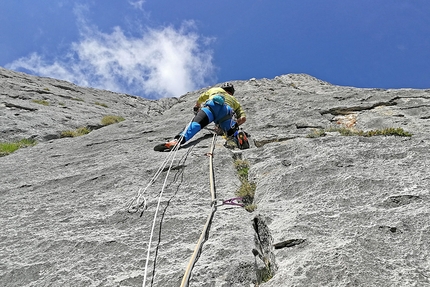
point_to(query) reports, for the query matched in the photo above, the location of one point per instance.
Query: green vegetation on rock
(75, 133)
(110, 119)
(353, 132)
(247, 189)
(7, 148)
(101, 104)
(41, 102)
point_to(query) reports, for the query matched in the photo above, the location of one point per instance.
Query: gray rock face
(331, 210)
(41, 108)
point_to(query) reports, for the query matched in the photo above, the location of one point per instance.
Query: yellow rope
(197, 249)
(211, 169)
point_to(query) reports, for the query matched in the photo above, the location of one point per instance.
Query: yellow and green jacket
(229, 100)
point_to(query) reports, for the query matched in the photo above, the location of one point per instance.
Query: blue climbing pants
(211, 112)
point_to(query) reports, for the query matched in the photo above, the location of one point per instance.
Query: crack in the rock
(309, 127)
(67, 88)
(348, 110)
(288, 243)
(415, 107)
(265, 266)
(10, 105)
(39, 91)
(260, 143)
(177, 167)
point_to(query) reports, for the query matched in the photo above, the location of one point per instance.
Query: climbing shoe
(166, 146)
(171, 144)
(241, 139)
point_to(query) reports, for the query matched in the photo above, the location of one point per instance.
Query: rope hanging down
(174, 152)
(205, 231)
(178, 173)
(136, 204)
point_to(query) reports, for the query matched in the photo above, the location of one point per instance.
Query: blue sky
(165, 48)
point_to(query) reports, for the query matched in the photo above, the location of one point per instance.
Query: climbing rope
(205, 231)
(139, 203)
(175, 178)
(211, 169)
(174, 152)
(136, 204)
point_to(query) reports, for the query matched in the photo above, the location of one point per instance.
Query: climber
(220, 107)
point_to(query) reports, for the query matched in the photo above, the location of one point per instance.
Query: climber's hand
(241, 120)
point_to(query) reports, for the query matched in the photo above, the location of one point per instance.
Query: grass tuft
(110, 119)
(41, 102)
(107, 120)
(75, 133)
(101, 104)
(242, 168)
(7, 148)
(388, 132)
(353, 132)
(246, 189)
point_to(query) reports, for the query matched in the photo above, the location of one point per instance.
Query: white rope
(171, 158)
(134, 204)
(173, 151)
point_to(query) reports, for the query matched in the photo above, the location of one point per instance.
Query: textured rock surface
(331, 211)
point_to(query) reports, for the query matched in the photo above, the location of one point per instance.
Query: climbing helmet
(228, 87)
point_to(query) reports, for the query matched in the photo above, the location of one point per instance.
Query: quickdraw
(236, 201)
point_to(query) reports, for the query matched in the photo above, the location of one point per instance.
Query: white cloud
(137, 4)
(163, 62)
